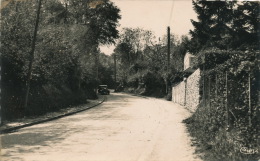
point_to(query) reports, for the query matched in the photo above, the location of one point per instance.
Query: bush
(52, 98)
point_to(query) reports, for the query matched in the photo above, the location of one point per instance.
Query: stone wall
(186, 93)
(178, 93)
(192, 91)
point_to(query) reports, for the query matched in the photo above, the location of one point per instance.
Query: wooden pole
(97, 70)
(216, 85)
(227, 109)
(249, 101)
(168, 58)
(32, 55)
(115, 69)
(209, 92)
(0, 93)
(204, 101)
(185, 91)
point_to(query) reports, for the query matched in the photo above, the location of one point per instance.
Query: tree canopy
(225, 25)
(142, 60)
(66, 52)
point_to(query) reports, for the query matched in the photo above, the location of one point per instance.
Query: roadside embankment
(10, 126)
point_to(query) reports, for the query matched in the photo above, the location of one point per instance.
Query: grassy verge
(217, 143)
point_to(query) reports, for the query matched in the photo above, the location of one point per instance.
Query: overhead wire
(171, 13)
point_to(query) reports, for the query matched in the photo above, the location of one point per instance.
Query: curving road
(123, 128)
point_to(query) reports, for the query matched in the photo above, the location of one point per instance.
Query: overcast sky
(155, 15)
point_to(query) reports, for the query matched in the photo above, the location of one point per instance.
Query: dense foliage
(226, 41)
(225, 25)
(229, 107)
(66, 59)
(142, 61)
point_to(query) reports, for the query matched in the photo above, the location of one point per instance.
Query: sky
(155, 15)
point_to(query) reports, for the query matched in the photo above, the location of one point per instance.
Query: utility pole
(249, 99)
(0, 93)
(168, 58)
(32, 54)
(97, 64)
(115, 69)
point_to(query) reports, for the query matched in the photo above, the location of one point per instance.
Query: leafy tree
(17, 22)
(246, 25)
(16, 38)
(142, 61)
(100, 20)
(54, 12)
(224, 25)
(214, 18)
(157, 56)
(132, 43)
(65, 55)
(106, 70)
(130, 48)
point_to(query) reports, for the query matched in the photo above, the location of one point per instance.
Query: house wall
(186, 93)
(189, 61)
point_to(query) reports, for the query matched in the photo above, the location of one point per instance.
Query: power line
(171, 12)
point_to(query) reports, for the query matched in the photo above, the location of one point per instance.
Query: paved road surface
(123, 128)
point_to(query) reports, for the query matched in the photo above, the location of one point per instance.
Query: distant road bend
(123, 128)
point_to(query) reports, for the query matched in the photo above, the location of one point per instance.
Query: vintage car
(102, 89)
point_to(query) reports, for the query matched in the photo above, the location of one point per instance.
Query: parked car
(102, 89)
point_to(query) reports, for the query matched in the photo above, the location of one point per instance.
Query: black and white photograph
(129, 80)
